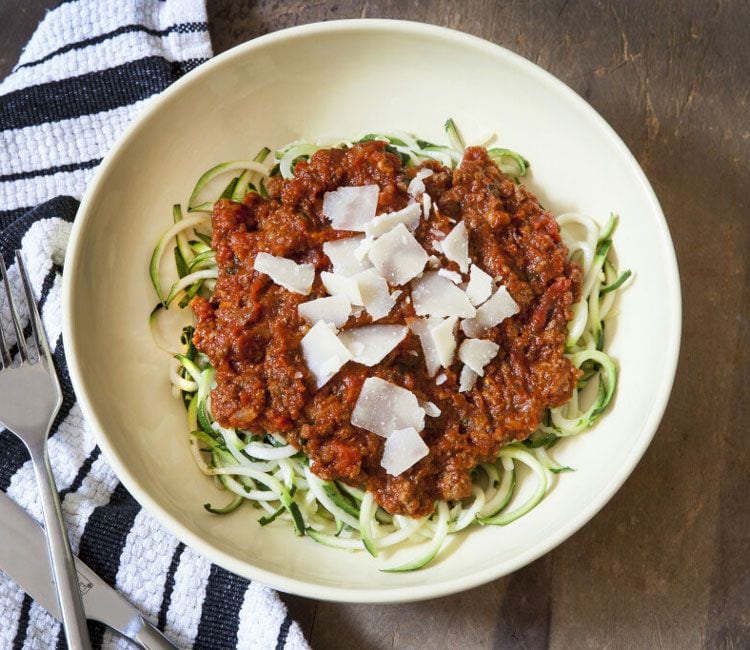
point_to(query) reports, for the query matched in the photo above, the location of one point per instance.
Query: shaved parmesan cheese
(444, 336)
(340, 285)
(441, 379)
(434, 295)
(397, 256)
(351, 208)
(334, 310)
(363, 249)
(323, 353)
(454, 277)
(431, 410)
(421, 327)
(479, 287)
(341, 254)
(492, 312)
(455, 246)
(402, 449)
(416, 186)
(477, 353)
(286, 273)
(467, 380)
(426, 205)
(373, 290)
(383, 407)
(371, 343)
(409, 216)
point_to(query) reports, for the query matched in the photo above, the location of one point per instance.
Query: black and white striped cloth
(90, 67)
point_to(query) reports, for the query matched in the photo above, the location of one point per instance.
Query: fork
(30, 398)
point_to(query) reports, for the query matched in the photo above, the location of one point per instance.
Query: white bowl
(349, 78)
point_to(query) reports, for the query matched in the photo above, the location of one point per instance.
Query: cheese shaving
(416, 186)
(426, 205)
(479, 287)
(421, 327)
(351, 208)
(383, 407)
(499, 307)
(333, 309)
(341, 254)
(294, 277)
(409, 216)
(477, 353)
(431, 410)
(455, 246)
(402, 450)
(370, 344)
(434, 295)
(340, 285)
(397, 256)
(454, 277)
(467, 380)
(444, 338)
(323, 353)
(373, 290)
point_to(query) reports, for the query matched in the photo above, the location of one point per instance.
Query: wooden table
(667, 562)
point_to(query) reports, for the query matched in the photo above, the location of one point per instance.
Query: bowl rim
(397, 593)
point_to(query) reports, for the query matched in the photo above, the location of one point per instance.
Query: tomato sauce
(251, 331)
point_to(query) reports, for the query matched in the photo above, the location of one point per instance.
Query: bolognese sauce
(250, 328)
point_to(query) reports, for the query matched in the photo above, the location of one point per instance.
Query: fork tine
(37, 328)
(5, 359)
(21, 340)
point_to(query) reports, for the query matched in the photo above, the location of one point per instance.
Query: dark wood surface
(667, 562)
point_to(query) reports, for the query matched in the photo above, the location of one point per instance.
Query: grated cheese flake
(343, 259)
(467, 380)
(333, 309)
(323, 353)
(370, 344)
(479, 287)
(383, 407)
(351, 208)
(341, 285)
(455, 246)
(294, 277)
(381, 224)
(373, 290)
(444, 338)
(421, 327)
(416, 185)
(454, 277)
(397, 256)
(431, 410)
(499, 307)
(426, 205)
(434, 295)
(403, 449)
(477, 353)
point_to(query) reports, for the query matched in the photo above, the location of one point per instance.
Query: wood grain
(667, 562)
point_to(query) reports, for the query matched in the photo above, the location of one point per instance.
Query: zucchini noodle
(275, 477)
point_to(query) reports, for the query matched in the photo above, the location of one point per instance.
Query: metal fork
(30, 398)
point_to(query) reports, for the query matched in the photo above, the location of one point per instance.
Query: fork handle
(61, 558)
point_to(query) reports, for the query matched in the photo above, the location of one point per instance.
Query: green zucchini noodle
(275, 477)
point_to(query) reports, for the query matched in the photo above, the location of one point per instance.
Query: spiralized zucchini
(276, 479)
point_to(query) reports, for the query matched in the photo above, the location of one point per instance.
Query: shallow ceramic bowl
(346, 79)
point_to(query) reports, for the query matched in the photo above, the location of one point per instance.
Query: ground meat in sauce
(250, 328)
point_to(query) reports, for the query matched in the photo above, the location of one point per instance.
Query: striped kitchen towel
(90, 67)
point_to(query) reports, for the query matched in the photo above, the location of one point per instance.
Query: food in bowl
(383, 330)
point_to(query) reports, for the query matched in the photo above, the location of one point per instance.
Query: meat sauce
(251, 331)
